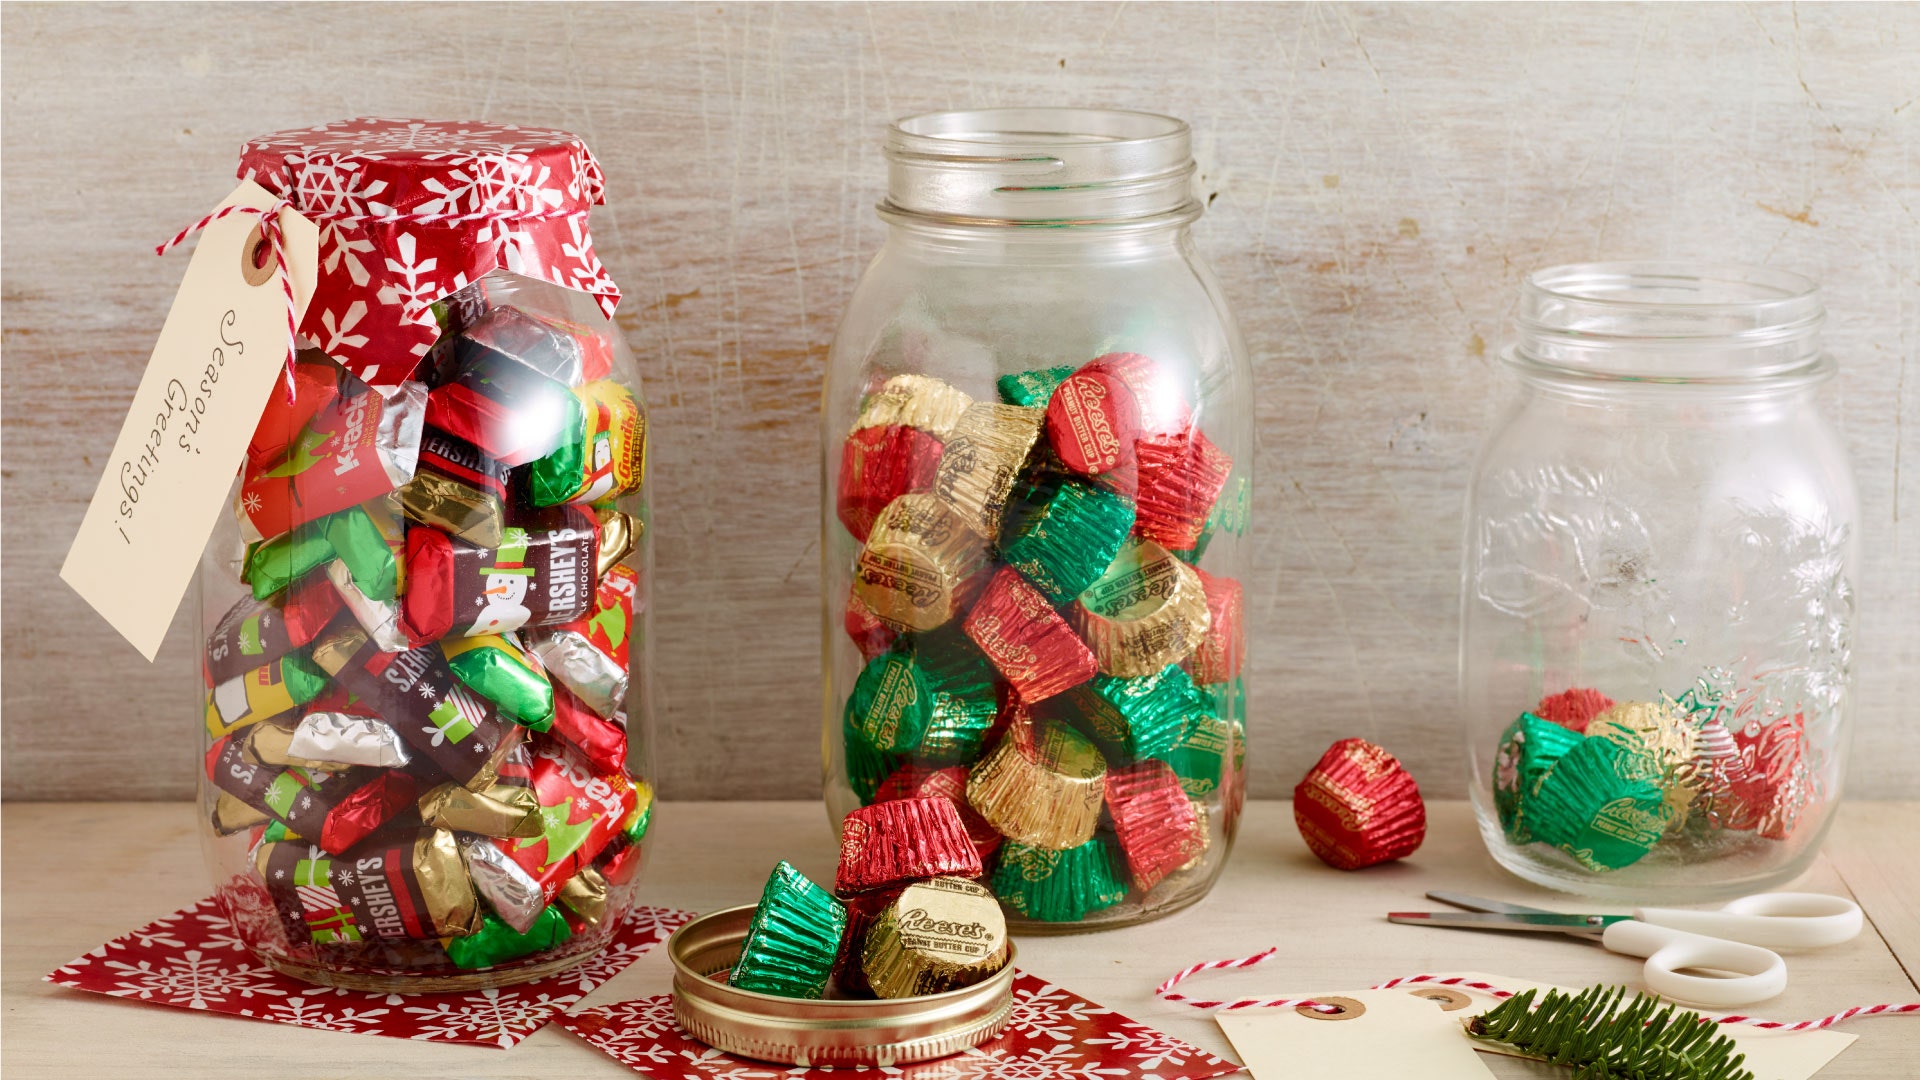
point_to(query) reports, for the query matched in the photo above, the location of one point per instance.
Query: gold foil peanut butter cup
(916, 401)
(1042, 786)
(982, 459)
(937, 935)
(1147, 611)
(915, 563)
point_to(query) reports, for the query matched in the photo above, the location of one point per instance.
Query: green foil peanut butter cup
(1130, 719)
(930, 695)
(1062, 536)
(793, 940)
(1031, 388)
(1595, 805)
(1528, 750)
(1060, 886)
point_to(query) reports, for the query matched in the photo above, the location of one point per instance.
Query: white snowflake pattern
(1149, 1048)
(1003, 1063)
(219, 933)
(1051, 1013)
(412, 287)
(250, 502)
(634, 1021)
(491, 1015)
(193, 980)
(337, 326)
(325, 1017)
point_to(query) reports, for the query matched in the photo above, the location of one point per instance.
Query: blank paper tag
(1772, 1055)
(1392, 1033)
(220, 353)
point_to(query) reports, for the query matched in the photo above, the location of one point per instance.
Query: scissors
(1676, 940)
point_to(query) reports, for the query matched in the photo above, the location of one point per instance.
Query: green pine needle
(1604, 1039)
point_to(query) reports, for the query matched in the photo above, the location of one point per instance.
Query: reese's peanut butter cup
(1062, 534)
(982, 460)
(1200, 758)
(1598, 805)
(1154, 823)
(356, 447)
(1222, 648)
(1092, 421)
(936, 935)
(1719, 770)
(877, 466)
(1358, 807)
(921, 782)
(866, 766)
(1662, 737)
(1157, 390)
(1779, 787)
(930, 693)
(903, 840)
(1043, 785)
(1144, 717)
(793, 939)
(1031, 388)
(1180, 479)
(1147, 610)
(1528, 749)
(916, 562)
(1027, 640)
(1573, 709)
(916, 401)
(870, 635)
(1060, 885)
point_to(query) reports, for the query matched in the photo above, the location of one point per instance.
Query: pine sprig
(1603, 1038)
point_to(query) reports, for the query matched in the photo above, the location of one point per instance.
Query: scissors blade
(1481, 903)
(1579, 925)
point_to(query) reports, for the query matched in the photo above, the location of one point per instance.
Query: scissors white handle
(1776, 920)
(1757, 973)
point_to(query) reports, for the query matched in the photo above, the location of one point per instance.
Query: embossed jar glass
(1038, 439)
(1657, 597)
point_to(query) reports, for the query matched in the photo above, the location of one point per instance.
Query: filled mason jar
(1657, 606)
(1038, 447)
(425, 721)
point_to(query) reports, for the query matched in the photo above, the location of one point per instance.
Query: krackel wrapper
(406, 884)
(447, 726)
(317, 383)
(457, 489)
(542, 574)
(255, 632)
(580, 810)
(590, 655)
(603, 454)
(335, 810)
(356, 447)
(511, 388)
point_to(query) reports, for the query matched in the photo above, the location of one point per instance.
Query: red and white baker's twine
(1165, 991)
(270, 229)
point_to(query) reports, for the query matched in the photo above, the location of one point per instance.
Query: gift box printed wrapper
(426, 652)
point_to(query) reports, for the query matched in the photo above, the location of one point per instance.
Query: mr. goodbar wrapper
(541, 574)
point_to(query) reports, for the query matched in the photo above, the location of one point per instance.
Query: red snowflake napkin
(192, 959)
(1054, 1034)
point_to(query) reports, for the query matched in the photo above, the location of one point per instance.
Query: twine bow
(269, 224)
(1165, 992)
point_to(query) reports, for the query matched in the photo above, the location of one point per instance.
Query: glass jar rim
(1040, 167)
(1666, 321)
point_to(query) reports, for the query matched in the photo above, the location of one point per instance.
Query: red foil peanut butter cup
(1027, 640)
(1154, 822)
(1573, 709)
(1358, 807)
(1092, 421)
(904, 840)
(1223, 647)
(877, 466)
(919, 782)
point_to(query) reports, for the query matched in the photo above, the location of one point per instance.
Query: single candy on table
(1358, 807)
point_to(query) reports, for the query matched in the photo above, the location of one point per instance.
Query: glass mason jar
(1657, 601)
(1037, 452)
(427, 734)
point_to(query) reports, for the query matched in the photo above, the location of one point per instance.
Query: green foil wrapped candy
(1032, 388)
(1059, 886)
(1130, 719)
(793, 940)
(497, 943)
(867, 766)
(1061, 536)
(1596, 805)
(369, 538)
(274, 564)
(498, 669)
(1199, 758)
(1528, 749)
(931, 695)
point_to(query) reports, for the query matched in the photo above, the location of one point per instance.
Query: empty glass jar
(1038, 442)
(1657, 605)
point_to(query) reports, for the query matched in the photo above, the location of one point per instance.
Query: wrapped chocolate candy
(589, 655)
(580, 812)
(1218, 657)
(255, 632)
(542, 574)
(335, 810)
(383, 621)
(1031, 388)
(511, 389)
(336, 732)
(1180, 479)
(904, 840)
(356, 447)
(919, 782)
(1573, 709)
(1598, 805)
(983, 456)
(601, 456)
(793, 940)
(496, 942)
(1530, 749)
(915, 401)
(318, 382)
(1358, 807)
(508, 807)
(877, 466)
(931, 694)
(399, 885)
(1130, 719)
(601, 740)
(457, 489)
(272, 565)
(1042, 786)
(446, 725)
(913, 568)
(936, 935)
(1147, 610)
(1205, 754)
(369, 539)
(1062, 534)
(275, 688)
(498, 669)
(1093, 420)
(1029, 642)
(1155, 825)
(584, 896)
(872, 635)
(1059, 884)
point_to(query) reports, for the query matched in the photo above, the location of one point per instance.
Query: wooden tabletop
(77, 874)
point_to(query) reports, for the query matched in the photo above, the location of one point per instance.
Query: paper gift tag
(1377, 1033)
(219, 355)
(1772, 1055)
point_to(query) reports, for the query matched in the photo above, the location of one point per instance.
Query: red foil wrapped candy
(904, 840)
(1027, 640)
(1153, 820)
(918, 782)
(1573, 709)
(1223, 647)
(1181, 477)
(877, 466)
(1092, 421)
(1358, 807)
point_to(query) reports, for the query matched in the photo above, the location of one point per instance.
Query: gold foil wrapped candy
(917, 401)
(982, 459)
(1147, 611)
(937, 935)
(912, 570)
(1042, 786)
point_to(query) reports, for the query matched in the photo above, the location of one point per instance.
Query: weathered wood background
(1381, 177)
